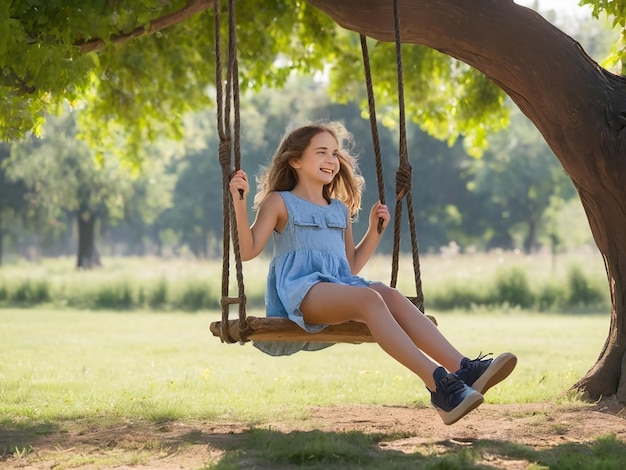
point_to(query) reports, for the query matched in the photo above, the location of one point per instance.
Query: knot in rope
(224, 152)
(404, 176)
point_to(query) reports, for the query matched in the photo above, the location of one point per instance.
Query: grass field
(95, 365)
(60, 362)
(72, 372)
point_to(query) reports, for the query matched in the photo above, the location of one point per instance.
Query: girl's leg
(480, 373)
(419, 328)
(336, 303)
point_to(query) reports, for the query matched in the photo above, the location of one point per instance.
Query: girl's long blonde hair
(280, 176)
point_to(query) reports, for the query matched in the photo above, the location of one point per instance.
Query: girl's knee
(372, 297)
(386, 292)
(370, 302)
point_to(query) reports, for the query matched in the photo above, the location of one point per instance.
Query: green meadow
(65, 362)
(62, 367)
(66, 365)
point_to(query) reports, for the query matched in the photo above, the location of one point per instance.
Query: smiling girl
(309, 195)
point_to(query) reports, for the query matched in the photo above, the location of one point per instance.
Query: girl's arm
(252, 239)
(359, 255)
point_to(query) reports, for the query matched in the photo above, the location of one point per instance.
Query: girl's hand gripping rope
(379, 215)
(239, 186)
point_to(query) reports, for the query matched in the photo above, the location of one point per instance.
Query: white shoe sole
(499, 369)
(472, 401)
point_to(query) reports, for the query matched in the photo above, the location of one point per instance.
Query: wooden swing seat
(283, 329)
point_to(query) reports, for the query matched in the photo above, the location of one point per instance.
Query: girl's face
(320, 160)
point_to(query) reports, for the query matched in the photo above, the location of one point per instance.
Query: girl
(307, 199)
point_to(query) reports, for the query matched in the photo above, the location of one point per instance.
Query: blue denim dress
(310, 249)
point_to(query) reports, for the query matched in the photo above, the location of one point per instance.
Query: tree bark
(608, 375)
(578, 107)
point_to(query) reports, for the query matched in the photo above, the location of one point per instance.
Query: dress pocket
(308, 220)
(335, 221)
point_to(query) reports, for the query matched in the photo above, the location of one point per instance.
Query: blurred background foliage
(120, 145)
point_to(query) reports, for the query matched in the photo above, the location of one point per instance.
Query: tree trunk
(578, 107)
(530, 241)
(88, 256)
(608, 375)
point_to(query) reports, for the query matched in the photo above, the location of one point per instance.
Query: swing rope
(404, 173)
(280, 328)
(403, 180)
(229, 151)
(371, 103)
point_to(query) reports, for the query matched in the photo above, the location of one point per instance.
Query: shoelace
(474, 364)
(453, 386)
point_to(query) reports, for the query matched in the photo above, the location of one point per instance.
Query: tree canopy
(135, 67)
(54, 54)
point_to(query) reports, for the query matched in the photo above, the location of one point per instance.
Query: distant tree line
(57, 197)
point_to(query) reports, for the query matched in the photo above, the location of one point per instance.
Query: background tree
(12, 201)
(195, 214)
(134, 228)
(520, 176)
(63, 175)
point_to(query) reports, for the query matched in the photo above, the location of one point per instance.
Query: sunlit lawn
(66, 370)
(58, 364)
(63, 363)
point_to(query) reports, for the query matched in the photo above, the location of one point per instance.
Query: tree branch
(544, 71)
(191, 8)
(7, 73)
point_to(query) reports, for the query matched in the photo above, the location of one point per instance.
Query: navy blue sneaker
(453, 399)
(481, 374)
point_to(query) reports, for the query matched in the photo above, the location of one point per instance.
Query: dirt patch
(182, 445)
(530, 424)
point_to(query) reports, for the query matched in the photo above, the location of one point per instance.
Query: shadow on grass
(263, 449)
(267, 449)
(16, 438)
